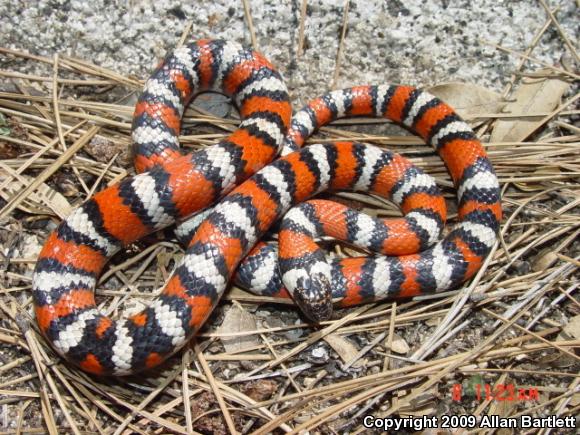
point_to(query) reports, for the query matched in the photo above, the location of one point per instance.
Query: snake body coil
(175, 186)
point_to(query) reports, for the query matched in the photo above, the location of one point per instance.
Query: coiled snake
(172, 186)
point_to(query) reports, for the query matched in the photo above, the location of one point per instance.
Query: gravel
(416, 42)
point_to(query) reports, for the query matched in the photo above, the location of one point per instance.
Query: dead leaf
(534, 95)
(575, 400)
(399, 345)
(344, 348)
(238, 320)
(260, 390)
(548, 360)
(545, 259)
(42, 198)
(423, 404)
(467, 99)
(433, 321)
(572, 330)
(103, 150)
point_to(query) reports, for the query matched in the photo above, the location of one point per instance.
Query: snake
(239, 190)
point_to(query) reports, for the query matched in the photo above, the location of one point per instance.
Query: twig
(215, 389)
(248, 14)
(560, 30)
(531, 59)
(18, 198)
(300, 49)
(340, 45)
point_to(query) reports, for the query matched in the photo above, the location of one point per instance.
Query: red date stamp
(498, 393)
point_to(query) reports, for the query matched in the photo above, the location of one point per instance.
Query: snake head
(313, 294)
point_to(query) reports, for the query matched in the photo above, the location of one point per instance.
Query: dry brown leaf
(423, 404)
(399, 345)
(503, 408)
(237, 293)
(467, 99)
(433, 321)
(238, 320)
(344, 348)
(534, 95)
(572, 330)
(544, 260)
(260, 390)
(42, 198)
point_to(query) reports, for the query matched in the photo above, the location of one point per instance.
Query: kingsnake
(173, 187)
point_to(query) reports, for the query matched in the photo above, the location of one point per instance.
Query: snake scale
(254, 191)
